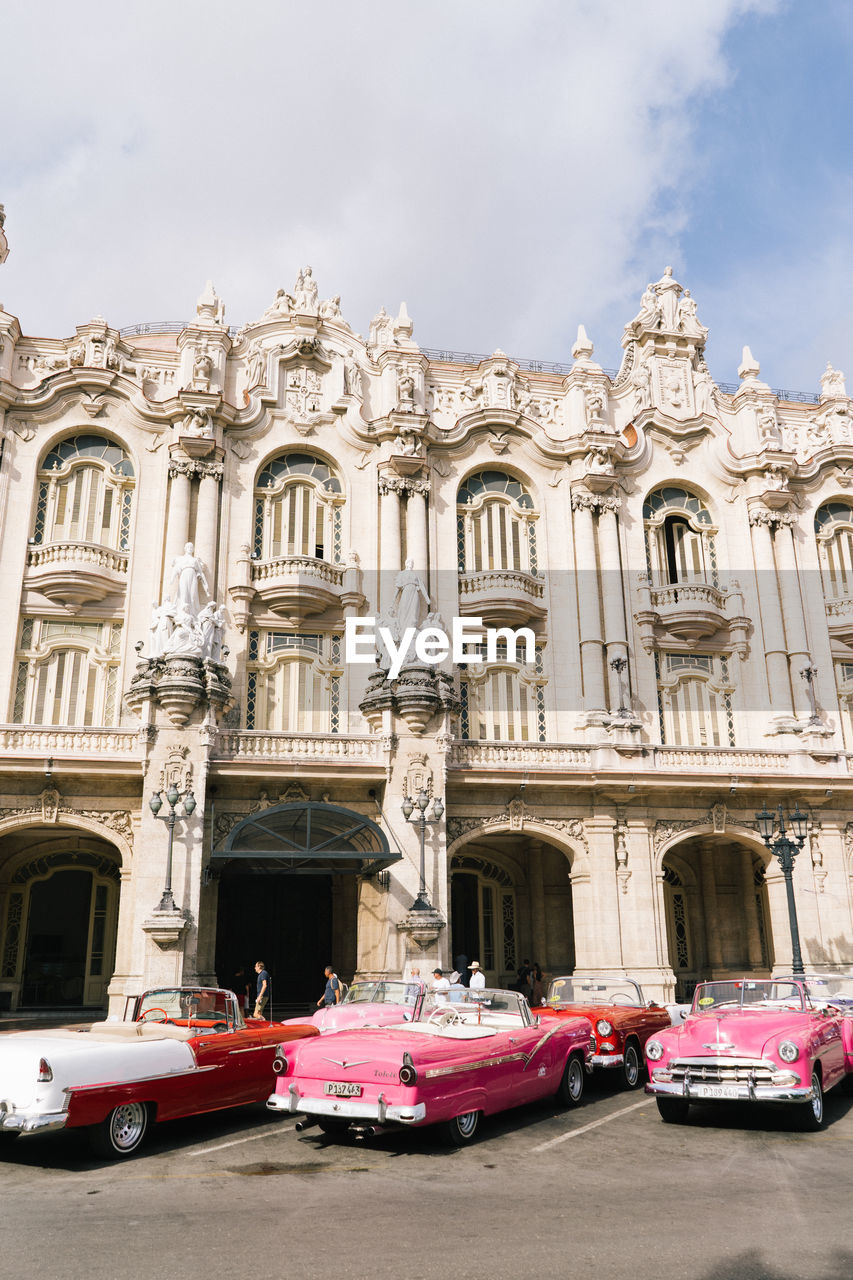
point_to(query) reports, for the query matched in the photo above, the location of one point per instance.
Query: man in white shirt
(478, 978)
(440, 987)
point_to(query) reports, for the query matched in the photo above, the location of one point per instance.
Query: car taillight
(45, 1074)
(408, 1073)
(279, 1062)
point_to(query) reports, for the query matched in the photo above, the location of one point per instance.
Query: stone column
(207, 521)
(178, 521)
(538, 921)
(709, 905)
(775, 650)
(389, 539)
(612, 596)
(416, 525)
(792, 613)
(750, 911)
(591, 647)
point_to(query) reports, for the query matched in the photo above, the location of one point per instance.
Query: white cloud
(510, 169)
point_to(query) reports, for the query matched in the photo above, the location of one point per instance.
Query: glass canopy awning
(306, 838)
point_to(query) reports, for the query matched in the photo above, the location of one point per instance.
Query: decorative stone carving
(198, 423)
(623, 874)
(352, 376)
(381, 332)
(423, 927)
(832, 384)
(406, 389)
(203, 367)
(305, 293)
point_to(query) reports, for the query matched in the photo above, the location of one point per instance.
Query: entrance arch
(511, 900)
(288, 895)
(717, 912)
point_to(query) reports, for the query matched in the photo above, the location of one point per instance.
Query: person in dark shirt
(523, 983)
(332, 994)
(263, 989)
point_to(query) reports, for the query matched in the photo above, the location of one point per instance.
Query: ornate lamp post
(785, 849)
(418, 808)
(173, 796)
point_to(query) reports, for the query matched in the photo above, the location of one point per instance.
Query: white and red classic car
(370, 1003)
(481, 1053)
(786, 1040)
(180, 1051)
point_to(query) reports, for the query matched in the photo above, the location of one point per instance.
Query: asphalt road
(606, 1190)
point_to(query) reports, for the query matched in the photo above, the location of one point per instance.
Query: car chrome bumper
(607, 1059)
(345, 1108)
(32, 1121)
(743, 1092)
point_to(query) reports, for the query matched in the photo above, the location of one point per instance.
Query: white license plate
(714, 1091)
(342, 1089)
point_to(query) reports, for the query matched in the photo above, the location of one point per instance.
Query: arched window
(294, 682)
(504, 701)
(496, 524)
(67, 673)
(298, 501)
(85, 488)
(834, 532)
(694, 697)
(679, 538)
(483, 922)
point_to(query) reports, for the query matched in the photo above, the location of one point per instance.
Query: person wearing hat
(440, 987)
(478, 978)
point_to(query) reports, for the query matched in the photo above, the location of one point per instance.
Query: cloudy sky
(511, 169)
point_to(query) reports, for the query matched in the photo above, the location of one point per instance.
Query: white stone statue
(768, 427)
(256, 364)
(668, 291)
(331, 308)
(186, 638)
(386, 623)
(198, 422)
(405, 389)
(471, 395)
(641, 380)
(186, 574)
(280, 306)
(211, 620)
(408, 444)
(162, 625)
(411, 601)
(688, 321)
(595, 404)
(597, 462)
(352, 375)
(705, 391)
(202, 367)
(305, 292)
(832, 384)
(649, 314)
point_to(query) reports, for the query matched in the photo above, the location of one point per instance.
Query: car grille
(723, 1071)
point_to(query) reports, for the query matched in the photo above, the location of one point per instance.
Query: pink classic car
(478, 1054)
(374, 1003)
(783, 1041)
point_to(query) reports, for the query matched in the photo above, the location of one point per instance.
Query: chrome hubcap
(127, 1125)
(632, 1066)
(467, 1123)
(817, 1099)
(575, 1080)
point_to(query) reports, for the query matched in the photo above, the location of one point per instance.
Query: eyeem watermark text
(364, 641)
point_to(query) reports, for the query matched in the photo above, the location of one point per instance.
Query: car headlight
(654, 1050)
(788, 1051)
(603, 1027)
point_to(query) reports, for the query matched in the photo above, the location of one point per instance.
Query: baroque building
(193, 518)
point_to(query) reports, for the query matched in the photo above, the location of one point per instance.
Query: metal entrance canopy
(306, 838)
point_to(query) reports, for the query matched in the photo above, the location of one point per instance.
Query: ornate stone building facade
(192, 517)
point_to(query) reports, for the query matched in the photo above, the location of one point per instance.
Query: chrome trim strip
(434, 1072)
(120, 1084)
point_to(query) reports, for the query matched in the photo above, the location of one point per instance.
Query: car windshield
(830, 989)
(711, 996)
(564, 991)
(481, 1006)
(187, 1004)
(383, 993)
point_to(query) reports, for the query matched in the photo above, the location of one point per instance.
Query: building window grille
(495, 524)
(67, 673)
(85, 494)
(298, 510)
(695, 701)
(294, 683)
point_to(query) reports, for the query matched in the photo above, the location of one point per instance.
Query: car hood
(618, 1015)
(739, 1032)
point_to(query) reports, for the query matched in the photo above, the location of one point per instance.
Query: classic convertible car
(784, 1041)
(369, 1003)
(180, 1051)
(457, 1062)
(621, 1018)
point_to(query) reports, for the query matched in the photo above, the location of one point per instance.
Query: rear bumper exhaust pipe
(302, 1125)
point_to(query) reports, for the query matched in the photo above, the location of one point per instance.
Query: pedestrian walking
(332, 993)
(537, 985)
(478, 978)
(262, 990)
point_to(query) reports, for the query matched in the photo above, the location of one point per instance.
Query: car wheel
(122, 1132)
(631, 1067)
(673, 1110)
(570, 1091)
(461, 1129)
(810, 1116)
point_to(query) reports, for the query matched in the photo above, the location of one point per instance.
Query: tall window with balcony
(834, 534)
(695, 700)
(85, 495)
(294, 682)
(504, 701)
(496, 525)
(680, 545)
(298, 500)
(67, 673)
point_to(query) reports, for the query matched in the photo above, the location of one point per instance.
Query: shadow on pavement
(750, 1266)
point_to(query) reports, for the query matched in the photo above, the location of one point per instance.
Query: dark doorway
(465, 915)
(57, 940)
(284, 920)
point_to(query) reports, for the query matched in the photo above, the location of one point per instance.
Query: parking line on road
(585, 1128)
(277, 1128)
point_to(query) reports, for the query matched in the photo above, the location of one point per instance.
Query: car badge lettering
(354, 1062)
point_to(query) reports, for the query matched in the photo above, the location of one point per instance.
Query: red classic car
(621, 1018)
(180, 1051)
(477, 1053)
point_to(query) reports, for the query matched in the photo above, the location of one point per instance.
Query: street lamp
(786, 850)
(155, 804)
(414, 811)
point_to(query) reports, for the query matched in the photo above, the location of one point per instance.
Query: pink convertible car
(784, 1041)
(473, 1056)
(370, 1003)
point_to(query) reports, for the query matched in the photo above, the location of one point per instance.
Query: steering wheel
(450, 1018)
(621, 997)
(143, 1017)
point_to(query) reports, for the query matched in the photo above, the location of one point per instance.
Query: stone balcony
(501, 596)
(249, 751)
(690, 612)
(839, 619)
(76, 573)
(298, 587)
